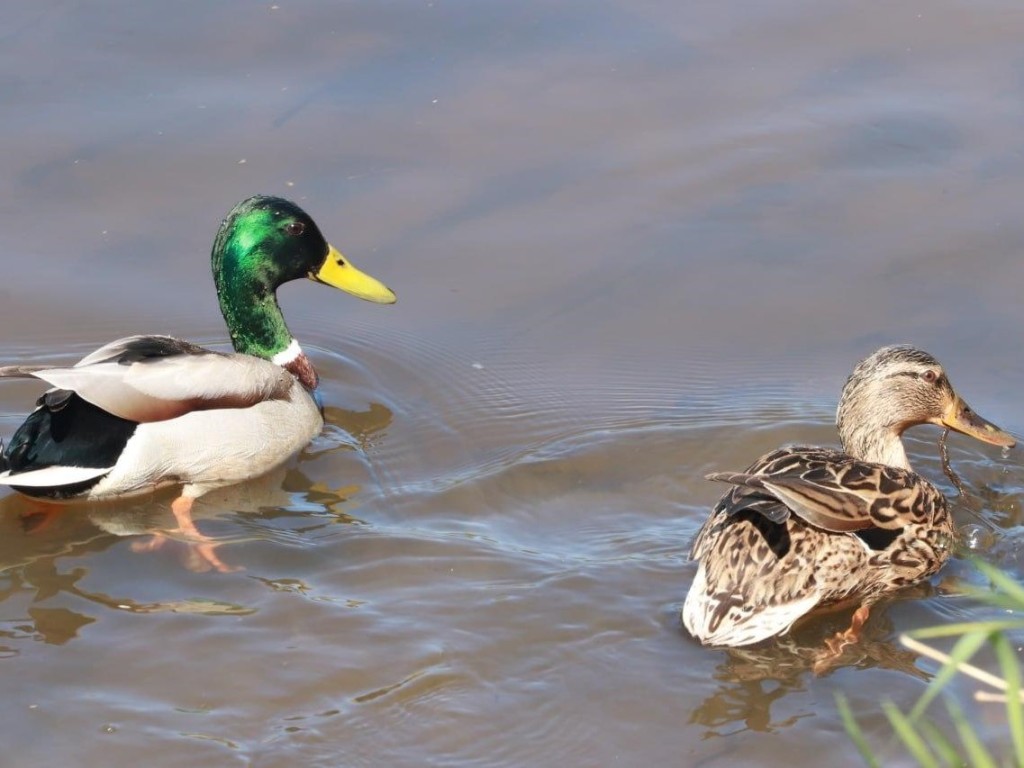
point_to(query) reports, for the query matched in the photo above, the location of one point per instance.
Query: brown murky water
(633, 242)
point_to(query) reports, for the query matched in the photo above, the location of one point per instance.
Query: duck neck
(294, 360)
(872, 440)
(257, 327)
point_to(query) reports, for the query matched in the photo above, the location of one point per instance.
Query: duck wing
(154, 378)
(828, 489)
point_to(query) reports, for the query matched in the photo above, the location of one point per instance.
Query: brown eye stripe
(938, 378)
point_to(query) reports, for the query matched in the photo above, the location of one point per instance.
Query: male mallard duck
(805, 527)
(147, 411)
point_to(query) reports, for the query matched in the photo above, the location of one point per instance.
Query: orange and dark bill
(959, 417)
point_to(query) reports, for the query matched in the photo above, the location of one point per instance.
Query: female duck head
(897, 388)
(263, 243)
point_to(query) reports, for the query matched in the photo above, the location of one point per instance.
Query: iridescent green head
(263, 243)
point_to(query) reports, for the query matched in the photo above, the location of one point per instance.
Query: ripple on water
(491, 563)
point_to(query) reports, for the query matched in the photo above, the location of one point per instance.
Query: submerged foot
(202, 555)
(830, 656)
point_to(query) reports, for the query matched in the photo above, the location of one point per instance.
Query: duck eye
(295, 228)
(930, 376)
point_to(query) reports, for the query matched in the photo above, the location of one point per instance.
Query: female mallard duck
(805, 527)
(147, 411)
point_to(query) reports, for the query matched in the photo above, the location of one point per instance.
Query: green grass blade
(928, 744)
(941, 744)
(995, 600)
(948, 630)
(854, 732)
(1011, 673)
(963, 650)
(975, 751)
(1002, 582)
(909, 736)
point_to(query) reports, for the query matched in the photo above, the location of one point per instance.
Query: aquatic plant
(926, 741)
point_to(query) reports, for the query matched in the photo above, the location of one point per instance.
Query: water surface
(633, 242)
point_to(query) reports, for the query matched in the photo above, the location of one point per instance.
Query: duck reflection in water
(753, 679)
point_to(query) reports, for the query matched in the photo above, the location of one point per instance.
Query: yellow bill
(338, 272)
(959, 417)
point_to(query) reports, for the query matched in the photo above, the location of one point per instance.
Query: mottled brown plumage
(805, 527)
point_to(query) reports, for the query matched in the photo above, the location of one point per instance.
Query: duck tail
(20, 371)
